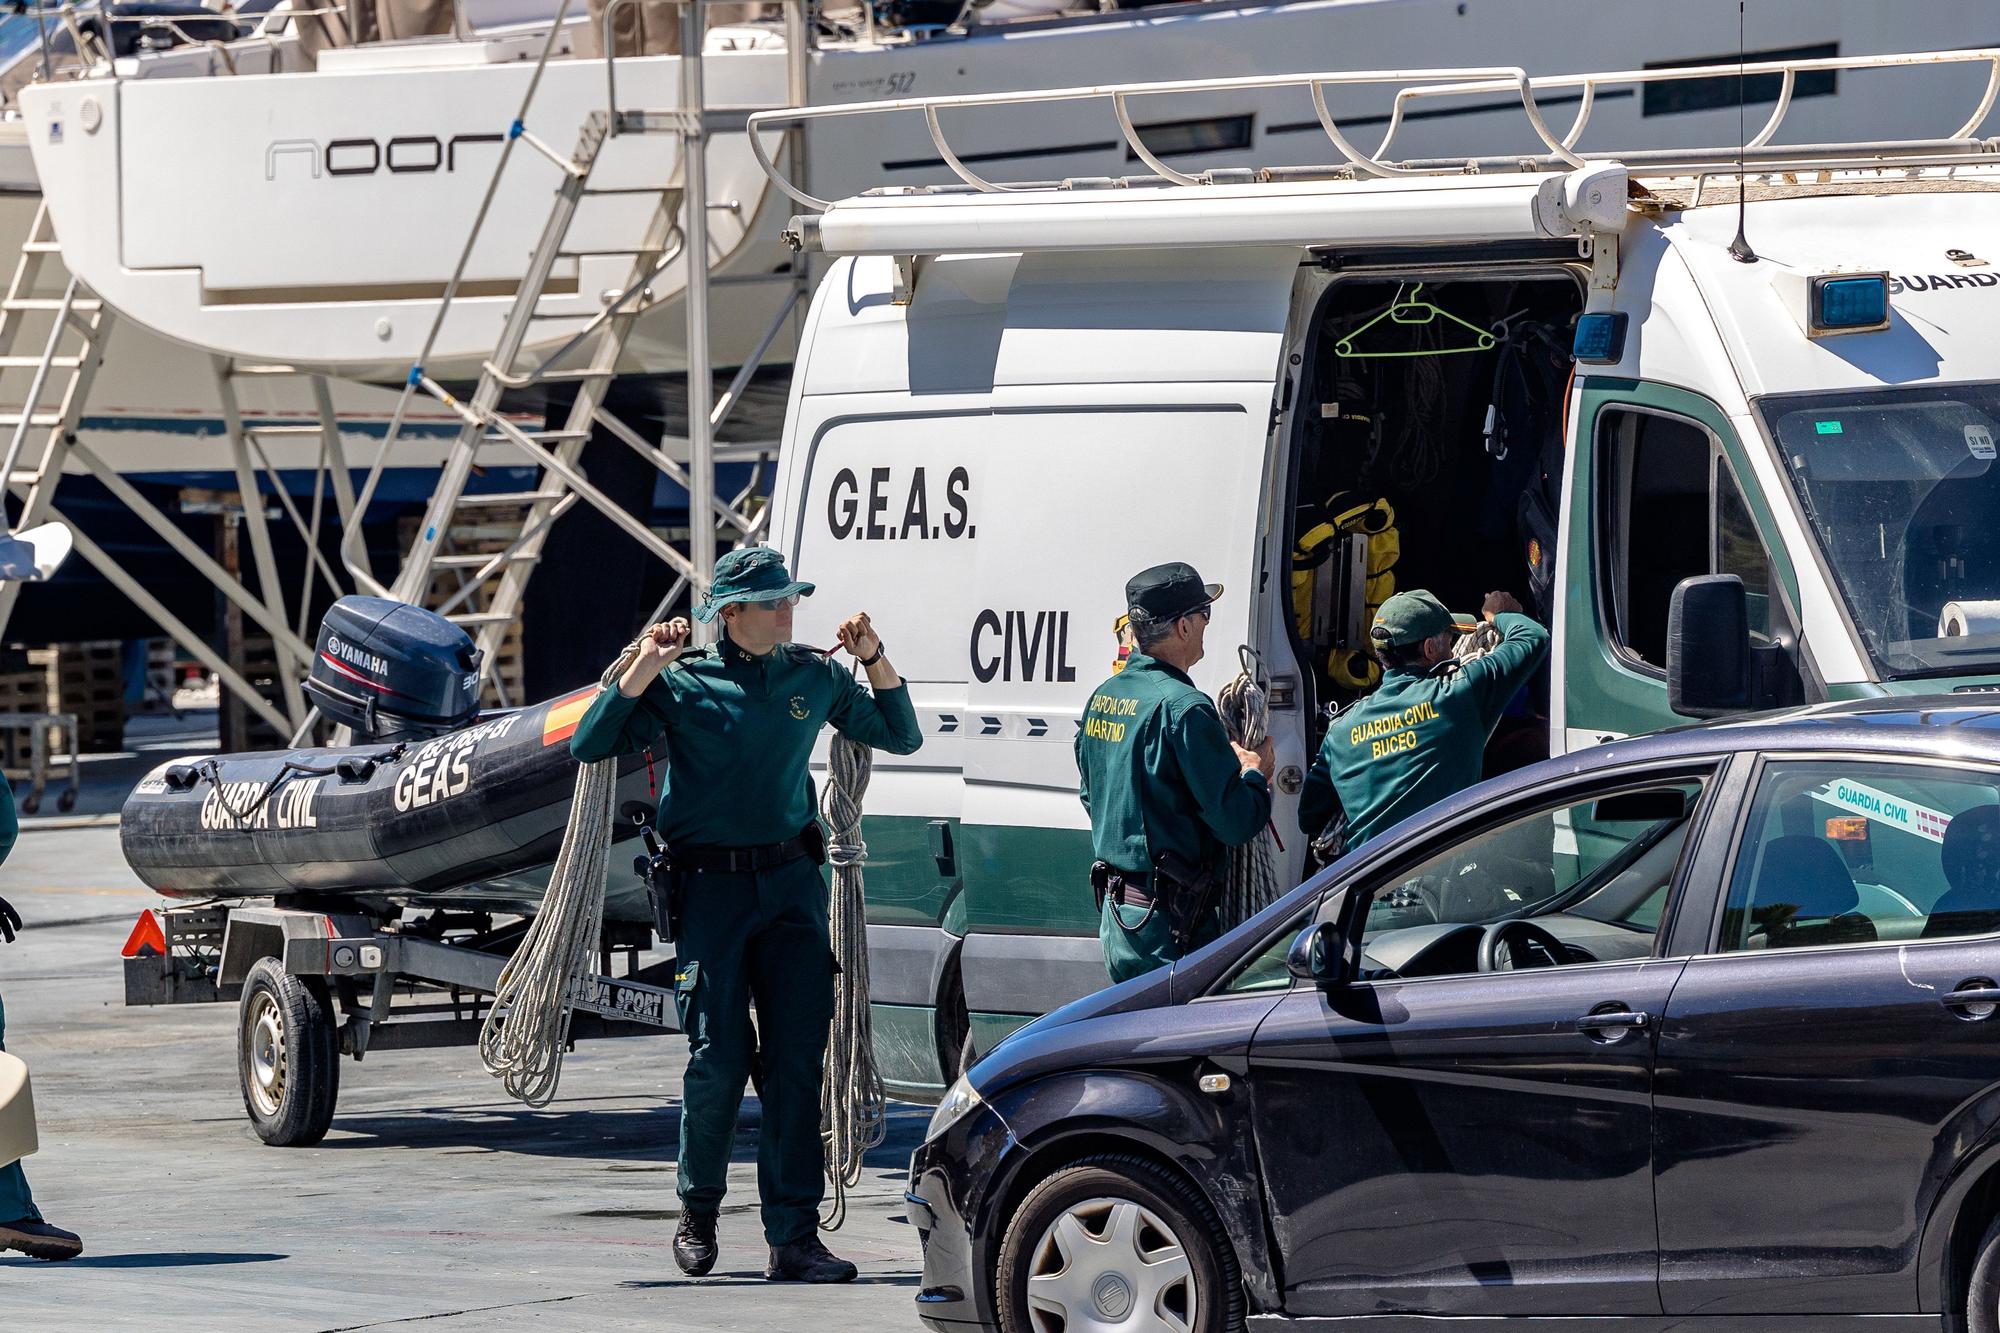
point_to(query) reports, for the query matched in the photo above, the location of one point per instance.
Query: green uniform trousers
(762, 938)
(15, 1201)
(1132, 949)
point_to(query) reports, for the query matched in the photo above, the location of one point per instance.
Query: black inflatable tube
(470, 817)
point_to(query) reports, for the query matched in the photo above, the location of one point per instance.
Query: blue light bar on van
(1857, 303)
(1600, 338)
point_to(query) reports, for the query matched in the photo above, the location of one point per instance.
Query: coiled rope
(1253, 868)
(1469, 648)
(529, 1025)
(526, 1030)
(852, 1104)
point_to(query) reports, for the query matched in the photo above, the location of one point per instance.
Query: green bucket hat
(749, 574)
(1412, 617)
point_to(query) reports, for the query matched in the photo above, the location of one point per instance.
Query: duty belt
(807, 842)
(1124, 887)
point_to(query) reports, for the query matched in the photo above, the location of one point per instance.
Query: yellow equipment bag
(17, 1111)
(1351, 666)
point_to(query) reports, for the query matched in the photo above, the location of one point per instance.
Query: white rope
(525, 1051)
(1469, 648)
(852, 1104)
(527, 1029)
(1253, 868)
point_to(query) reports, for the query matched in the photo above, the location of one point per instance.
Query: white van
(1554, 371)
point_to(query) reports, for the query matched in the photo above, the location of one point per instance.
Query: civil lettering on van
(1021, 645)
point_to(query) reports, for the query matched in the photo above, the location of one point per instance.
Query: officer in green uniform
(27, 1232)
(1421, 735)
(736, 722)
(1166, 788)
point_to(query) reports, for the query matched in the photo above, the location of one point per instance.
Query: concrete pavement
(434, 1201)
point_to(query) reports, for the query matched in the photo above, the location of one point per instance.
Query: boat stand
(44, 440)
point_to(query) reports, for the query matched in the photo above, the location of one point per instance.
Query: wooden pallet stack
(87, 679)
(237, 727)
(490, 535)
(24, 691)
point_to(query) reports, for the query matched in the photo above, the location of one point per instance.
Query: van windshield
(1902, 489)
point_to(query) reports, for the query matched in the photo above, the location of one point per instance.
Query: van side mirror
(1317, 956)
(1708, 647)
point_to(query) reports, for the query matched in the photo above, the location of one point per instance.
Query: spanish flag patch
(559, 723)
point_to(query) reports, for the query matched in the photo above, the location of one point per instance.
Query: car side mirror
(1708, 647)
(1318, 956)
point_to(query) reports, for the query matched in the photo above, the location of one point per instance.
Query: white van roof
(1937, 246)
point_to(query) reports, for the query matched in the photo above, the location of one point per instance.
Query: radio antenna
(1739, 249)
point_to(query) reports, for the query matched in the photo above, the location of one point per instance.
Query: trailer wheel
(287, 1056)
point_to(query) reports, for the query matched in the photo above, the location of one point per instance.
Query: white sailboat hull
(314, 218)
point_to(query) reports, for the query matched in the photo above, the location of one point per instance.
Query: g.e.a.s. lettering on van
(897, 505)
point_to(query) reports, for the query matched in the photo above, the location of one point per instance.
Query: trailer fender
(298, 938)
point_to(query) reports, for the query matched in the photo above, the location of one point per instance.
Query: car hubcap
(265, 1036)
(1110, 1264)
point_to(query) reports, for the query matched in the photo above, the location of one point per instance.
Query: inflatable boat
(434, 805)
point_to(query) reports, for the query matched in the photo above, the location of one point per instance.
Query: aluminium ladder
(556, 452)
(73, 329)
(483, 590)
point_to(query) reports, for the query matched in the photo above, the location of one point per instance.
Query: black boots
(694, 1244)
(807, 1261)
(39, 1240)
(695, 1251)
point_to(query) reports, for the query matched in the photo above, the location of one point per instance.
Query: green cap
(1168, 592)
(1412, 617)
(749, 574)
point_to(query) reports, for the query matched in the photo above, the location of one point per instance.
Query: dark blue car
(1690, 1032)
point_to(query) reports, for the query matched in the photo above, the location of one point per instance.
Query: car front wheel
(1117, 1242)
(1982, 1297)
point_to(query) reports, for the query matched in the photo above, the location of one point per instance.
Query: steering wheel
(1508, 946)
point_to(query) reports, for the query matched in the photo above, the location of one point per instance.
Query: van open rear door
(982, 469)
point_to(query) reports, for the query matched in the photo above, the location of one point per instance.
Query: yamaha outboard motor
(392, 671)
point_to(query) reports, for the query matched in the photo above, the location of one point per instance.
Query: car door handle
(1967, 996)
(1614, 1020)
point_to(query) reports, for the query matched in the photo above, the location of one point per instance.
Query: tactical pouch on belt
(663, 887)
(1100, 881)
(814, 838)
(1188, 891)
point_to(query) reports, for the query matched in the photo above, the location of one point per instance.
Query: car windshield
(1901, 488)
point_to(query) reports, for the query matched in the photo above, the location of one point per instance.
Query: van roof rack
(1557, 153)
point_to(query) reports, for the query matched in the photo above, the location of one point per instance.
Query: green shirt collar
(1406, 674)
(734, 655)
(1139, 661)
